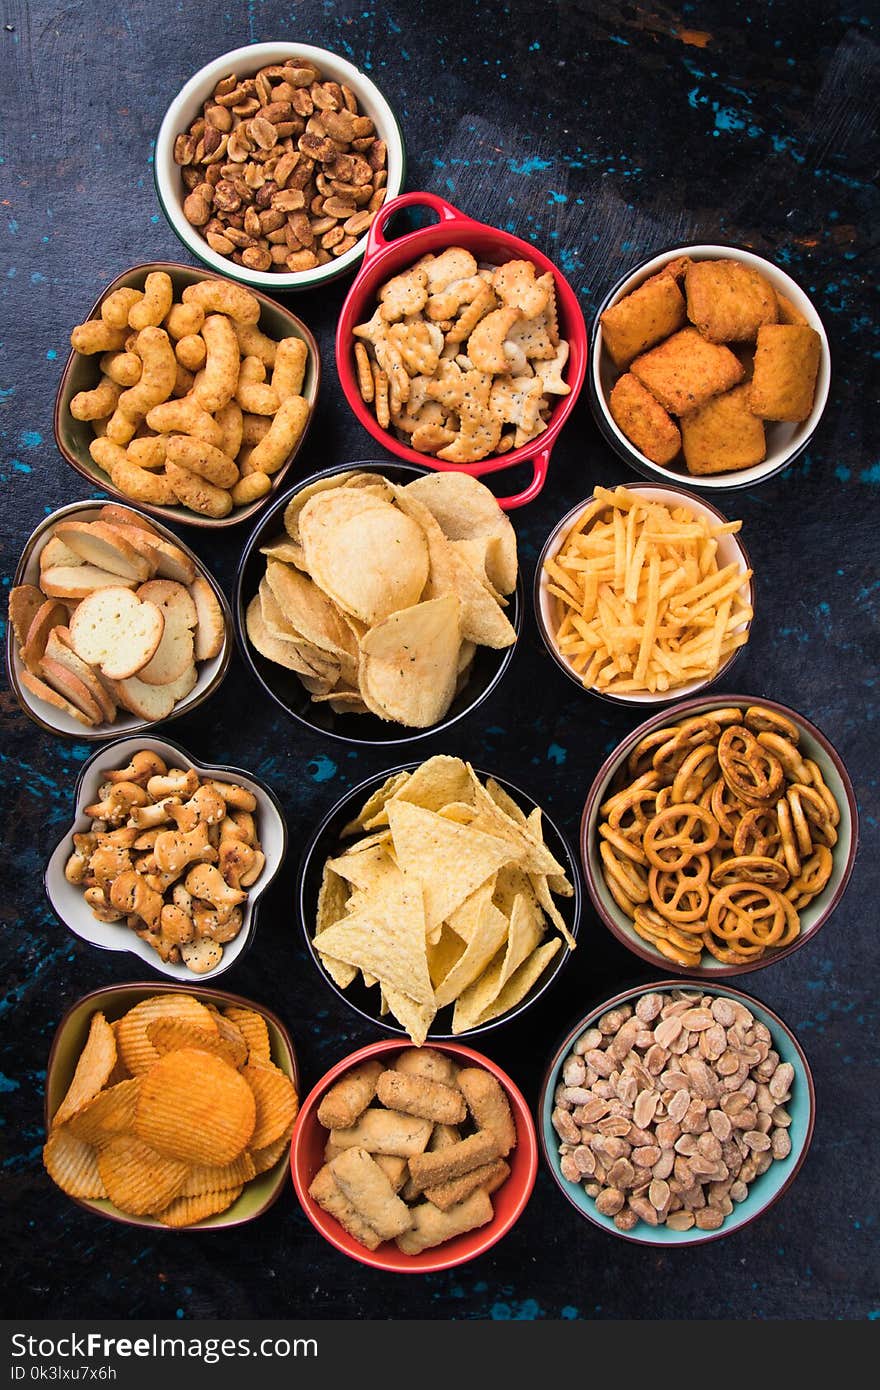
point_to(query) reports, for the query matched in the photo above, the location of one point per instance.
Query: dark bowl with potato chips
(278, 664)
(451, 902)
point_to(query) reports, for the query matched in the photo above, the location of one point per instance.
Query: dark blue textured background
(602, 132)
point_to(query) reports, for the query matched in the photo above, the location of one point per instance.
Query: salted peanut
(157, 298)
(252, 394)
(217, 382)
(221, 297)
(230, 422)
(122, 367)
(153, 347)
(349, 1097)
(250, 489)
(290, 367)
(137, 483)
(723, 435)
(191, 352)
(415, 1095)
(196, 492)
(252, 342)
(202, 458)
(184, 320)
(96, 336)
(186, 416)
(254, 428)
(786, 366)
(431, 1227)
(118, 305)
(639, 320)
(643, 420)
(281, 439)
(96, 404)
(489, 1106)
(148, 451)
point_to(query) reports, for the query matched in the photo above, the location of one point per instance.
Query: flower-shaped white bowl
(246, 62)
(68, 901)
(210, 673)
(784, 441)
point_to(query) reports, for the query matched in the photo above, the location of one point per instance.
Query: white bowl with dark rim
(785, 441)
(82, 373)
(325, 843)
(730, 551)
(766, 1189)
(285, 688)
(209, 673)
(187, 106)
(68, 901)
(815, 746)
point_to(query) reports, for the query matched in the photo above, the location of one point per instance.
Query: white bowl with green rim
(764, 1191)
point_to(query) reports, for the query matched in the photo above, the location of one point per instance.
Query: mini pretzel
(621, 844)
(672, 829)
(748, 911)
(752, 772)
(698, 771)
(627, 875)
(761, 720)
(680, 898)
(757, 833)
(752, 868)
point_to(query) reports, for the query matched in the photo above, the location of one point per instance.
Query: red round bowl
(510, 1200)
(382, 259)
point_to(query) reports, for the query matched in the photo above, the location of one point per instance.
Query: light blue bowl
(763, 1192)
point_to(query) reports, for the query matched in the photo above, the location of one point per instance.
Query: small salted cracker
(723, 435)
(518, 287)
(728, 301)
(404, 294)
(486, 343)
(685, 371)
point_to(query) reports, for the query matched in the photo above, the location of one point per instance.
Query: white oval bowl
(730, 551)
(785, 441)
(245, 62)
(68, 901)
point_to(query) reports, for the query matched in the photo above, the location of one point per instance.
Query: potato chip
(449, 860)
(93, 1069)
(409, 665)
(233, 1036)
(138, 1053)
(73, 1165)
(187, 1211)
(253, 1029)
(139, 1180)
(309, 612)
(120, 1070)
(272, 647)
(266, 1158)
(299, 500)
(388, 941)
(366, 554)
(110, 1113)
(205, 1177)
(171, 1034)
(276, 1100)
(195, 1108)
(466, 510)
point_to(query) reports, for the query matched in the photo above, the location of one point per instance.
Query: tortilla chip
(448, 860)
(388, 940)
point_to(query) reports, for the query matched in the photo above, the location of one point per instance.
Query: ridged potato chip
(93, 1069)
(186, 1211)
(195, 1108)
(206, 1177)
(73, 1165)
(171, 1034)
(137, 1052)
(252, 1027)
(137, 1178)
(266, 1158)
(108, 1114)
(276, 1101)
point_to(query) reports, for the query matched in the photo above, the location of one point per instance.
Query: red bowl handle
(377, 241)
(540, 464)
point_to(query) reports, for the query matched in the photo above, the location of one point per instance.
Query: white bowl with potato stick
(67, 692)
(644, 594)
(246, 63)
(198, 416)
(120, 770)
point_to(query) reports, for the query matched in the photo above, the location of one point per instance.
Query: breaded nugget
(788, 313)
(728, 301)
(643, 420)
(488, 1176)
(362, 1181)
(395, 1169)
(677, 268)
(686, 371)
(429, 1169)
(642, 318)
(331, 1198)
(431, 1226)
(786, 364)
(723, 435)
(427, 1062)
(386, 1132)
(340, 1107)
(414, 1095)
(489, 1106)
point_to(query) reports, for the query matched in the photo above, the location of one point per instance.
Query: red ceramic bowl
(510, 1201)
(382, 259)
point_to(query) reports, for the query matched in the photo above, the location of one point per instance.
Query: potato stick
(707, 556)
(619, 551)
(634, 568)
(706, 586)
(712, 600)
(650, 619)
(729, 528)
(714, 654)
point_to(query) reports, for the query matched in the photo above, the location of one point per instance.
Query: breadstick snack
(419, 1178)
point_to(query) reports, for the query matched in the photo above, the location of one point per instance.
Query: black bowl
(284, 686)
(326, 843)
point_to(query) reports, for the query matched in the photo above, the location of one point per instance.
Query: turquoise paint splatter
(556, 754)
(322, 768)
(7, 1083)
(870, 475)
(31, 438)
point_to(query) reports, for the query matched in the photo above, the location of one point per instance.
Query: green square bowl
(82, 374)
(115, 1000)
